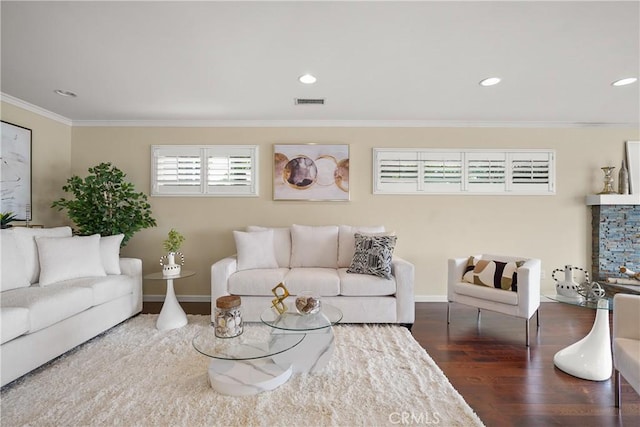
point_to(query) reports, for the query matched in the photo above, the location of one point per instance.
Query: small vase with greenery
(172, 245)
(106, 204)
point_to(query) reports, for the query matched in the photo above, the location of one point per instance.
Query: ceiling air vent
(309, 101)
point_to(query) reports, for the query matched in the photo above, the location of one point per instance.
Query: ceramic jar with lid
(228, 320)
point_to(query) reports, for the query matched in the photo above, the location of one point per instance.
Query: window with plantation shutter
(204, 170)
(444, 171)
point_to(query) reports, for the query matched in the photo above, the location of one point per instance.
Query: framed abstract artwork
(15, 171)
(311, 172)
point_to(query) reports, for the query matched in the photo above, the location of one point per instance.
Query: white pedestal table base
(247, 377)
(590, 358)
(172, 315)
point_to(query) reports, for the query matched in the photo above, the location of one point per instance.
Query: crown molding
(303, 123)
(344, 123)
(34, 109)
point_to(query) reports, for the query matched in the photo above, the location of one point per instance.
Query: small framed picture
(311, 172)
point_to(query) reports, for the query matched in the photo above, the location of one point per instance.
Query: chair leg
(538, 318)
(527, 334)
(448, 312)
(616, 387)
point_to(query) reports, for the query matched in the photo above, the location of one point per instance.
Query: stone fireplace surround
(615, 239)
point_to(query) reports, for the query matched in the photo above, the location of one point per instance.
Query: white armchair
(626, 342)
(523, 303)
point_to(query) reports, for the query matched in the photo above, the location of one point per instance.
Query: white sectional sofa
(317, 259)
(59, 291)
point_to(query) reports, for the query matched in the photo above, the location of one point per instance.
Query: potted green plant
(106, 204)
(173, 241)
(6, 218)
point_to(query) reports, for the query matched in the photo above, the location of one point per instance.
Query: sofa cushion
(373, 255)
(257, 282)
(347, 241)
(319, 281)
(50, 304)
(25, 238)
(281, 243)
(314, 246)
(105, 289)
(65, 258)
(352, 284)
(255, 249)
(14, 321)
(495, 274)
(12, 267)
(487, 293)
(110, 253)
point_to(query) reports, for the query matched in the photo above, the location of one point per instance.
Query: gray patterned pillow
(373, 255)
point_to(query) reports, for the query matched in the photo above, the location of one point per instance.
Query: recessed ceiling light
(307, 79)
(625, 81)
(65, 93)
(490, 81)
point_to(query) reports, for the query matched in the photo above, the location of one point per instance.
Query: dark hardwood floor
(506, 383)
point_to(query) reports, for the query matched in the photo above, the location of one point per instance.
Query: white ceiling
(413, 63)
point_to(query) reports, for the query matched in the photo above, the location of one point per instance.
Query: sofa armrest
(404, 273)
(626, 316)
(132, 267)
(529, 288)
(220, 273)
(455, 271)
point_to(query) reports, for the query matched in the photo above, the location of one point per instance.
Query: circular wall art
(311, 172)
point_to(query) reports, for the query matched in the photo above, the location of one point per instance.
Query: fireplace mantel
(613, 199)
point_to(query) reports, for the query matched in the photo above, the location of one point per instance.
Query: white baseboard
(207, 298)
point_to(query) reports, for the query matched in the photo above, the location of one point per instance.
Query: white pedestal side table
(590, 358)
(172, 315)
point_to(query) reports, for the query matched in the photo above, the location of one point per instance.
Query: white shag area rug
(135, 375)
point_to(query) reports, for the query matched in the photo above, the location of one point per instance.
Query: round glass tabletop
(161, 276)
(254, 343)
(603, 303)
(291, 320)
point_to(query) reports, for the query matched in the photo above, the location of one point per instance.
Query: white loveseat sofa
(59, 291)
(315, 259)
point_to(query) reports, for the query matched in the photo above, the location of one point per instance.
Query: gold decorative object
(608, 180)
(281, 293)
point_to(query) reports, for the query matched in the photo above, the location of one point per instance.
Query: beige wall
(430, 228)
(50, 161)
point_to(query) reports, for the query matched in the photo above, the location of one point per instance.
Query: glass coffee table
(264, 358)
(313, 354)
(590, 358)
(245, 364)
